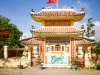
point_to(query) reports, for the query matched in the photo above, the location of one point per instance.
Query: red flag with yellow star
(52, 1)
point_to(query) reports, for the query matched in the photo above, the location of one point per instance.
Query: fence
(11, 52)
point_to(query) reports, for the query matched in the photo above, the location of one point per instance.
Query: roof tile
(57, 13)
(32, 41)
(57, 29)
(83, 42)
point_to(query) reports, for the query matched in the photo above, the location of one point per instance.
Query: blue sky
(18, 11)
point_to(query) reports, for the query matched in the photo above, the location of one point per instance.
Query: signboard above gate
(57, 52)
(58, 23)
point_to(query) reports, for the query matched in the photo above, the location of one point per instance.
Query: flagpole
(57, 4)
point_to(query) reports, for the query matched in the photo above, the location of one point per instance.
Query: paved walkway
(50, 71)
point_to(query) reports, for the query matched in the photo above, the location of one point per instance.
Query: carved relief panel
(58, 23)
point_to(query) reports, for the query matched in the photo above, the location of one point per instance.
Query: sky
(18, 11)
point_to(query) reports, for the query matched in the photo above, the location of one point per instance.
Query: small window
(35, 49)
(62, 48)
(52, 48)
(57, 47)
(67, 49)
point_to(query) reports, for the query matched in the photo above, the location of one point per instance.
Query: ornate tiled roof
(57, 12)
(53, 14)
(82, 42)
(32, 41)
(57, 30)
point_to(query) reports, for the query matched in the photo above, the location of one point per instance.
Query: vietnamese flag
(52, 1)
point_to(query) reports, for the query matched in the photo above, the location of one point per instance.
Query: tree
(19, 56)
(89, 31)
(13, 40)
(97, 49)
(3, 33)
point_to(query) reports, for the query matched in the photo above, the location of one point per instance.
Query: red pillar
(42, 50)
(72, 47)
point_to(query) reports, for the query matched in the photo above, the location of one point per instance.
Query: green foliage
(1, 54)
(13, 40)
(89, 31)
(18, 57)
(73, 61)
(38, 60)
(97, 49)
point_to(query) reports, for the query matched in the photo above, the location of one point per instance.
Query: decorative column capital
(5, 46)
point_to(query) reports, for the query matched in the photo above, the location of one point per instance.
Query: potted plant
(38, 62)
(73, 64)
(98, 65)
(18, 57)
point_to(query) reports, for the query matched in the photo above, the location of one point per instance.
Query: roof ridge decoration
(57, 12)
(52, 14)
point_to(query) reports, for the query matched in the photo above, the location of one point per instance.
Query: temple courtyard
(12, 70)
(47, 71)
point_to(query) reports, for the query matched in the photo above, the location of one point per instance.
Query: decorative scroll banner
(42, 50)
(58, 23)
(72, 47)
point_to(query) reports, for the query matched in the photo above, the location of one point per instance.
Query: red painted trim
(72, 47)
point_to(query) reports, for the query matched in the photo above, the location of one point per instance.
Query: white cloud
(97, 28)
(78, 5)
(26, 35)
(79, 24)
(88, 14)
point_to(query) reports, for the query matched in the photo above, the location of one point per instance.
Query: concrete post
(29, 56)
(87, 57)
(5, 52)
